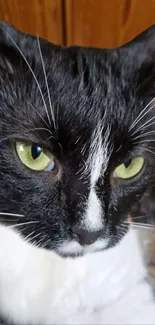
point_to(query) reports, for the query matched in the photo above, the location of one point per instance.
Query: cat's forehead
(76, 94)
(83, 93)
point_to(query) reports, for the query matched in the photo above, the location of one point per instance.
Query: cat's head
(77, 139)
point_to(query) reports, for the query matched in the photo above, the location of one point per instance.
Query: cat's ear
(9, 35)
(142, 47)
(141, 58)
(11, 43)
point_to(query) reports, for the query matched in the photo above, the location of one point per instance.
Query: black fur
(86, 86)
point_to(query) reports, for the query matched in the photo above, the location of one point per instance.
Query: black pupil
(35, 151)
(127, 163)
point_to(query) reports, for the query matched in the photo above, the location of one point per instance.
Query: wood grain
(103, 23)
(43, 17)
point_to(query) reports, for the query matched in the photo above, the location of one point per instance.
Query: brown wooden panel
(43, 17)
(139, 16)
(107, 23)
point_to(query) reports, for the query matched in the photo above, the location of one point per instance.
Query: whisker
(11, 214)
(140, 217)
(31, 233)
(43, 129)
(147, 140)
(138, 224)
(143, 224)
(144, 134)
(78, 139)
(142, 227)
(146, 149)
(57, 114)
(23, 224)
(142, 114)
(12, 118)
(47, 86)
(9, 137)
(31, 238)
(28, 102)
(119, 148)
(32, 72)
(12, 136)
(145, 125)
(7, 220)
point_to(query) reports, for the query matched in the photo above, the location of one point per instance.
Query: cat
(77, 153)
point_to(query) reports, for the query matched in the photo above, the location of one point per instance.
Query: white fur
(73, 247)
(39, 287)
(93, 218)
(96, 164)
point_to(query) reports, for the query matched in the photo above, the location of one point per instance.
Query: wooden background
(100, 23)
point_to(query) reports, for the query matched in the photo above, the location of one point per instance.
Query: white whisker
(138, 224)
(31, 238)
(145, 125)
(47, 86)
(28, 102)
(143, 224)
(142, 114)
(57, 114)
(38, 129)
(31, 233)
(9, 137)
(49, 138)
(32, 72)
(140, 217)
(23, 224)
(11, 214)
(12, 136)
(142, 227)
(146, 149)
(144, 141)
(78, 139)
(144, 134)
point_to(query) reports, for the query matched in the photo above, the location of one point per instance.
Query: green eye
(34, 157)
(130, 168)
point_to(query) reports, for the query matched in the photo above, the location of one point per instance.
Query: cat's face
(64, 136)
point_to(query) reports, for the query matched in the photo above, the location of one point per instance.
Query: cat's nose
(86, 237)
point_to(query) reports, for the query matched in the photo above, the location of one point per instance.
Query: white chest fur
(39, 287)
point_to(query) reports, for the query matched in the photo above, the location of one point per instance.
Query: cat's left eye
(34, 157)
(129, 168)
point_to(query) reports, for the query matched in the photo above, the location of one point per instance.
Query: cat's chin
(74, 249)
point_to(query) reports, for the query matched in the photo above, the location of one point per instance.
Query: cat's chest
(46, 289)
(90, 285)
(95, 294)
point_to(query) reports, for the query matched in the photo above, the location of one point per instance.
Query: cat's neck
(50, 280)
(116, 269)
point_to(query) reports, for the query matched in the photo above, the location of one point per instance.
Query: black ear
(10, 40)
(15, 45)
(142, 47)
(140, 55)
(8, 33)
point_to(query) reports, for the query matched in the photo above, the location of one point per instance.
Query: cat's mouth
(74, 249)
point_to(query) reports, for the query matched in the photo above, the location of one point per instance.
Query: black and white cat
(77, 151)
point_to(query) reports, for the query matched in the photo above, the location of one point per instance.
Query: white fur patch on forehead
(96, 165)
(98, 156)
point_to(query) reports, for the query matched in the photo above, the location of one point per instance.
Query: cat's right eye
(129, 168)
(35, 157)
